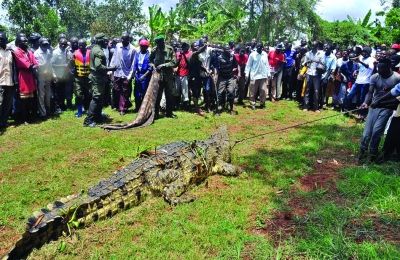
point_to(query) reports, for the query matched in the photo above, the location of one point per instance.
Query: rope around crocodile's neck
(292, 126)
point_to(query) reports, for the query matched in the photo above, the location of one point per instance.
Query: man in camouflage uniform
(164, 60)
(98, 79)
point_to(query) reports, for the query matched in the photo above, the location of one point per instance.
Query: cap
(35, 36)
(100, 36)
(44, 41)
(279, 46)
(159, 37)
(144, 42)
(395, 46)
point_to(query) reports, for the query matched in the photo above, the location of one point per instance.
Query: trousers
(6, 102)
(374, 128)
(258, 86)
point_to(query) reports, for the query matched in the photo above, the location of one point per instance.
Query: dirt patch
(324, 177)
(8, 237)
(373, 228)
(247, 251)
(286, 223)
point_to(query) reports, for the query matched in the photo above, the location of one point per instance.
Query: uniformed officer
(163, 59)
(98, 79)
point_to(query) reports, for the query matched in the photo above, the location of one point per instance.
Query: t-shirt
(290, 58)
(275, 59)
(364, 73)
(183, 66)
(380, 86)
(241, 61)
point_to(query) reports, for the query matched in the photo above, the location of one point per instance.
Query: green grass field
(301, 196)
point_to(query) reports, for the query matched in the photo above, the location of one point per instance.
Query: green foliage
(116, 16)
(392, 22)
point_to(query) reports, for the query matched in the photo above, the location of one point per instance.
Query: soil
(373, 228)
(284, 224)
(8, 237)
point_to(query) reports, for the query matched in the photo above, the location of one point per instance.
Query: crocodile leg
(174, 193)
(226, 169)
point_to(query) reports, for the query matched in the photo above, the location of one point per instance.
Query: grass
(42, 162)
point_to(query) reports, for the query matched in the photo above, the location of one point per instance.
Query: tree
(115, 16)
(392, 22)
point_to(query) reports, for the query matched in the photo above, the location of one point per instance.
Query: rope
(293, 126)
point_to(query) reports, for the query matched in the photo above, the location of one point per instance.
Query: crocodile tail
(146, 112)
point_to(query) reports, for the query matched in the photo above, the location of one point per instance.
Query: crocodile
(168, 172)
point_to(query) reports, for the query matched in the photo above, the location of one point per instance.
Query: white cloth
(117, 60)
(43, 59)
(364, 74)
(257, 66)
(6, 63)
(205, 57)
(314, 59)
(59, 61)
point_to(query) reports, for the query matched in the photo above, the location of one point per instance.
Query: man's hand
(159, 67)
(364, 106)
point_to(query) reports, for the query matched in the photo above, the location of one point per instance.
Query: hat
(396, 46)
(279, 46)
(159, 38)
(100, 36)
(44, 41)
(144, 42)
(35, 36)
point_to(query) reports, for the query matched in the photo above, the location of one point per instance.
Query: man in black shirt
(226, 67)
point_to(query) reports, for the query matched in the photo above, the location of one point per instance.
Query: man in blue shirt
(289, 79)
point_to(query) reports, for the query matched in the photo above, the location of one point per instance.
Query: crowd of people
(38, 81)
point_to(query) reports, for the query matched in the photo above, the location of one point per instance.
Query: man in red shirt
(182, 73)
(276, 60)
(241, 59)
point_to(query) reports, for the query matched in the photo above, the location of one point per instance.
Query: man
(142, 71)
(122, 59)
(361, 86)
(392, 142)
(226, 67)
(34, 41)
(26, 65)
(182, 74)
(195, 67)
(69, 88)
(7, 88)
(288, 77)
(60, 63)
(98, 78)
(277, 61)
(206, 74)
(81, 69)
(241, 59)
(45, 73)
(327, 77)
(258, 70)
(164, 60)
(380, 84)
(315, 62)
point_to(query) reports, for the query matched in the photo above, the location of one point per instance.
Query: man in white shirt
(315, 60)
(7, 88)
(60, 61)
(257, 68)
(361, 86)
(205, 73)
(122, 59)
(45, 72)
